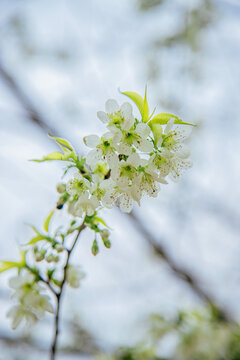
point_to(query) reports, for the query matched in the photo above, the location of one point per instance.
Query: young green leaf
(101, 221)
(46, 222)
(145, 107)
(64, 144)
(163, 118)
(137, 99)
(54, 156)
(7, 265)
(35, 239)
(157, 132)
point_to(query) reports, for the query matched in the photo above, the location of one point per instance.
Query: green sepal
(101, 221)
(36, 239)
(163, 118)
(46, 222)
(141, 103)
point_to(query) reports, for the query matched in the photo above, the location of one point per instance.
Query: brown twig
(59, 294)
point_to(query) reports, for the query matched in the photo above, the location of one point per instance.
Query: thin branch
(179, 270)
(59, 295)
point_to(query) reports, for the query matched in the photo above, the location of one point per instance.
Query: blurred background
(59, 62)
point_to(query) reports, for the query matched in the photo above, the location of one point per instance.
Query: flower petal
(111, 106)
(103, 116)
(91, 140)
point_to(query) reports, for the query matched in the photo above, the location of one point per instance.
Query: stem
(59, 294)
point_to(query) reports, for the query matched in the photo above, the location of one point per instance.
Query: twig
(59, 295)
(178, 270)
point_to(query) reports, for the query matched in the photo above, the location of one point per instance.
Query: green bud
(59, 248)
(50, 258)
(61, 188)
(39, 257)
(105, 234)
(95, 248)
(107, 243)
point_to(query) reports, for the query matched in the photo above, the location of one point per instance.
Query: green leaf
(34, 229)
(137, 99)
(145, 107)
(35, 239)
(101, 221)
(54, 156)
(64, 144)
(141, 103)
(157, 132)
(163, 118)
(46, 222)
(7, 265)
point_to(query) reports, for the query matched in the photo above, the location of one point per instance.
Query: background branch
(177, 269)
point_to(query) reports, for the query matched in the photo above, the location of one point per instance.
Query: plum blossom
(74, 276)
(32, 304)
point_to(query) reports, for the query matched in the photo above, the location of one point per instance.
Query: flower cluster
(32, 304)
(128, 161)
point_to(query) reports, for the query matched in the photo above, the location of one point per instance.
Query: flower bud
(107, 243)
(61, 188)
(95, 248)
(105, 234)
(59, 248)
(50, 258)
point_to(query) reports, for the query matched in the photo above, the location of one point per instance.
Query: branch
(59, 295)
(179, 270)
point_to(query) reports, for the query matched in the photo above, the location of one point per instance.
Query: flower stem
(59, 295)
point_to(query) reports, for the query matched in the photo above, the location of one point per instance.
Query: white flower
(74, 276)
(84, 205)
(137, 137)
(103, 149)
(115, 116)
(20, 313)
(32, 304)
(38, 304)
(77, 185)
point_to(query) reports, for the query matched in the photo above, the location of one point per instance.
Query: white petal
(128, 123)
(181, 150)
(126, 203)
(124, 149)
(126, 110)
(143, 130)
(108, 135)
(103, 116)
(144, 145)
(134, 160)
(182, 132)
(111, 106)
(169, 126)
(93, 157)
(91, 140)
